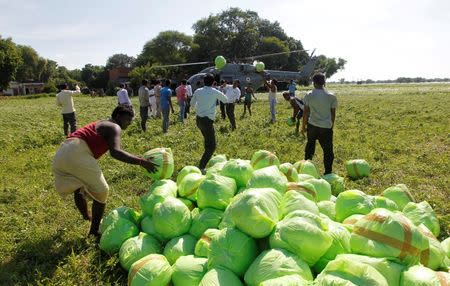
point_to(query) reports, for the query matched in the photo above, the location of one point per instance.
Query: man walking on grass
(318, 121)
(144, 103)
(64, 99)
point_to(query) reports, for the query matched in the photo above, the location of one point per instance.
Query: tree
(94, 76)
(119, 60)
(329, 65)
(28, 70)
(9, 61)
(271, 45)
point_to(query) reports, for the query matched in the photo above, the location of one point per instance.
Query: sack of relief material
(327, 208)
(256, 211)
(220, 276)
(341, 244)
(276, 263)
(391, 271)
(221, 158)
(240, 170)
(204, 219)
(289, 171)
(323, 189)
(121, 212)
(399, 194)
(350, 221)
(357, 169)
(306, 167)
(383, 202)
(304, 234)
(202, 247)
(227, 220)
(422, 213)
(216, 192)
(163, 159)
(185, 171)
(190, 204)
(137, 247)
(304, 188)
(262, 158)
(304, 177)
(352, 202)
(150, 270)
(434, 256)
(446, 246)
(422, 276)
(288, 280)
(148, 227)
(232, 249)
(189, 270)
(383, 233)
(292, 201)
(159, 191)
(171, 218)
(179, 246)
(189, 185)
(116, 234)
(268, 177)
(350, 273)
(336, 182)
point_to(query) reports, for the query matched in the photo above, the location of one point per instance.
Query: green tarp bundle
(148, 227)
(189, 185)
(137, 247)
(304, 177)
(187, 170)
(202, 247)
(383, 233)
(121, 212)
(179, 246)
(289, 171)
(306, 189)
(159, 191)
(446, 246)
(434, 256)
(304, 234)
(262, 158)
(150, 270)
(171, 218)
(399, 194)
(216, 168)
(189, 270)
(422, 276)
(306, 167)
(293, 200)
(357, 169)
(268, 177)
(240, 170)
(220, 276)
(163, 158)
(383, 202)
(216, 192)
(276, 263)
(322, 187)
(232, 249)
(350, 221)
(336, 182)
(221, 158)
(204, 219)
(352, 202)
(256, 211)
(288, 280)
(422, 213)
(327, 208)
(116, 234)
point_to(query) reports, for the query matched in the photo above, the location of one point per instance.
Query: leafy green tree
(270, 45)
(9, 61)
(329, 65)
(29, 68)
(94, 76)
(119, 60)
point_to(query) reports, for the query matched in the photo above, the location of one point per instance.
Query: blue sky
(382, 39)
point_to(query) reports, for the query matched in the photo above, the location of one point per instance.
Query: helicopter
(246, 74)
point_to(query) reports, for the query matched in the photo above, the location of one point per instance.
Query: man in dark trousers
(318, 121)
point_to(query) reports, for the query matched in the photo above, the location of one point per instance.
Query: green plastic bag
(304, 234)
(290, 121)
(422, 276)
(292, 201)
(204, 219)
(434, 256)
(383, 233)
(221, 158)
(121, 212)
(352, 202)
(423, 213)
(259, 66)
(188, 187)
(350, 221)
(116, 234)
(220, 62)
(306, 167)
(256, 211)
(137, 247)
(232, 249)
(163, 158)
(179, 246)
(327, 208)
(189, 270)
(276, 263)
(263, 158)
(220, 276)
(190, 204)
(166, 184)
(187, 170)
(159, 191)
(350, 273)
(148, 227)
(357, 169)
(322, 187)
(268, 177)
(304, 188)
(215, 169)
(289, 171)
(171, 218)
(288, 280)
(304, 177)
(446, 246)
(202, 247)
(336, 182)
(239, 170)
(399, 194)
(150, 270)
(383, 202)
(216, 192)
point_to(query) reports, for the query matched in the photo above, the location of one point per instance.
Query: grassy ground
(401, 130)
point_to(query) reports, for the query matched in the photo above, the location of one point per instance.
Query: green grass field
(403, 131)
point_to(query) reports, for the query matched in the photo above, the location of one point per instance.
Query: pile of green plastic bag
(260, 222)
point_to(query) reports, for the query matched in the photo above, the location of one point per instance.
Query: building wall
(120, 72)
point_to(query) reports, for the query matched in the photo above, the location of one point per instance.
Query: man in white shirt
(157, 90)
(233, 94)
(122, 96)
(152, 101)
(65, 100)
(144, 102)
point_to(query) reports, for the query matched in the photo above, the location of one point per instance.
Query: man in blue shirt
(292, 87)
(204, 100)
(166, 103)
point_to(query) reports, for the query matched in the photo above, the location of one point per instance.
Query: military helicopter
(247, 74)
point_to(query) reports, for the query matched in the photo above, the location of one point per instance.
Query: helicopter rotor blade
(273, 54)
(181, 65)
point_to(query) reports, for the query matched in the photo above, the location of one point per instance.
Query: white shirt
(204, 100)
(65, 100)
(233, 94)
(122, 94)
(320, 103)
(189, 90)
